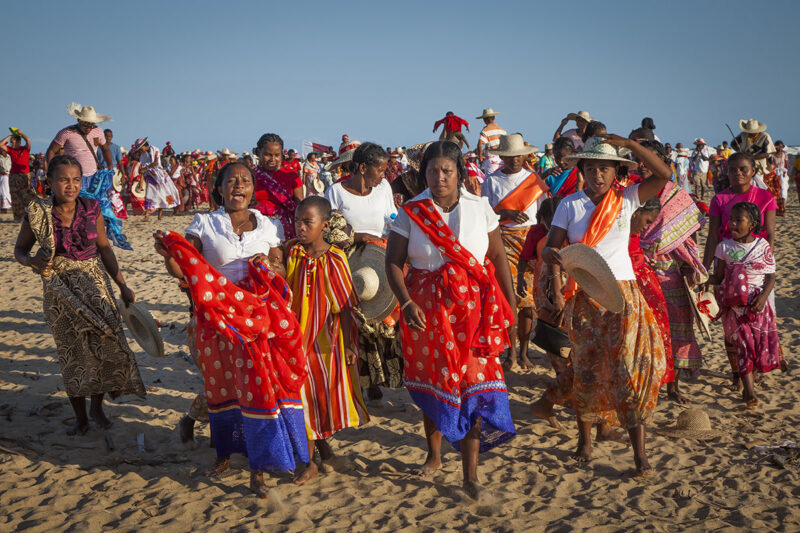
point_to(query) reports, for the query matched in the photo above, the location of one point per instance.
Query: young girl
(746, 272)
(323, 298)
(647, 280)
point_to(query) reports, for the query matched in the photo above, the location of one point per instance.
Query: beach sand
(51, 482)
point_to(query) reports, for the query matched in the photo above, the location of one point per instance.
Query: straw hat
(143, 328)
(368, 265)
(693, 423)
(211, 155)
(512, 145)
(117, 180)
(703, 320)
(548, 146)
(138, 144)
(580, 114)
(700, 140)
(707, 304)
(225, 153)
(752, 125)
(593, 275)
(488, 113)
(595, 148)
(139, 189)
(345, 154)
(86, 113)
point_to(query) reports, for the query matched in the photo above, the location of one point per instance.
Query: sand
(51, 482)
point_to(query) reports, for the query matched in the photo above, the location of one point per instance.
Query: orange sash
(604, 216)
(523, 196)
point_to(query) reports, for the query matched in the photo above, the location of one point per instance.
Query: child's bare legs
(736, 380)
(673, 391)
(524, 326)
(470, 446)
(748, 390)
(434, 438)
(160, 214)
(584, 451)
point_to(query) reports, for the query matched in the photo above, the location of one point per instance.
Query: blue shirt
(116, 155)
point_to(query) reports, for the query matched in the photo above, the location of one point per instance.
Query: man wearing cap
(547, 161)
(698, 166)
(515, 194)
(489, 139)
(82, 140)
(582, 119)
(755, 140)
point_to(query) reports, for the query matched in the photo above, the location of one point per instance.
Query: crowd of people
(478, 254)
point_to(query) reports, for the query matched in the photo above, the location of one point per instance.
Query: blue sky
(211, 74)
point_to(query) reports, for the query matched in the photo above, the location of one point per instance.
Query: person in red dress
(277, 190)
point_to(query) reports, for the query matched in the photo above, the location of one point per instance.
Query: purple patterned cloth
(79, 240)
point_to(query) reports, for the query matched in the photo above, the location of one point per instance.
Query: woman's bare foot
(736, 383)
(257, 484)
(222, 465)
(543, 409)
(476, 491)
(100, 419)
(677, 397)
(525, 363)
(186, 427)
(430, 466)
(752, 403)
(584, 453)
(643, 468)
(311, 472)
(80, 428)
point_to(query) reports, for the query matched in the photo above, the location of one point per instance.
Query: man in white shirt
(699, 166)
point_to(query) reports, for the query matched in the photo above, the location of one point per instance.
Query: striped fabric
(323, 289)
(490, 136)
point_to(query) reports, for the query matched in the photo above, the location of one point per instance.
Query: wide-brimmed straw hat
(591, 272)
(143, 328)
(488, 113)
(368, 265)
(138, 144)
(580, 114)
(699, 140)
(226, 153)
(86, 113)
(139, 189)
(595, 148)
(752, 125)
(116, 182)
(693, 423)
(702, 319)
(512, 145)
(345, 154)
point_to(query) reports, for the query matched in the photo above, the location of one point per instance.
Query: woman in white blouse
(365, 199)
(228, 239)
(617, 358)
(456, 313)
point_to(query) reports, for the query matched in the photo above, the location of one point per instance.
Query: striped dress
(322, 290)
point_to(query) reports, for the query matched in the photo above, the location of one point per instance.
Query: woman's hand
(759, 302)
(552, 171)
(158, 236)
(365, 238)
(261, 258)
(513, 215)
(39, 261)
(615, 140)
(127, 295)
(551, 256)
(414, 316)
(350, 356)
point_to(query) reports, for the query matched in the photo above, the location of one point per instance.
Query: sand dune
(51, 482)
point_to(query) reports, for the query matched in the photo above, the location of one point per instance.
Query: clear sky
(219, 74)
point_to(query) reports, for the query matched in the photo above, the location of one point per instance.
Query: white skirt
(161, 192)
(5, 192)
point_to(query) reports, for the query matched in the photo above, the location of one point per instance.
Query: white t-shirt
(498, 185)
(365, 214)
(223, 249)
(471, 221)
(574, 213)
(700, 164)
